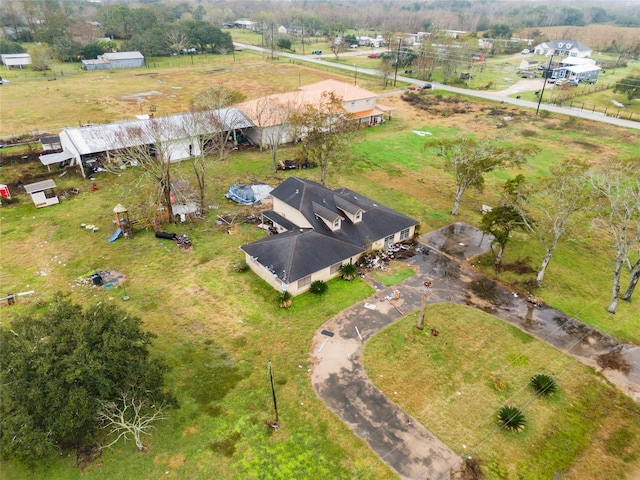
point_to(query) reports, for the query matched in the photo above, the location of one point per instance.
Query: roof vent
(297, 191)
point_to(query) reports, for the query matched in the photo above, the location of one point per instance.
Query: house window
(404, 234)
(336, 223)
(303, 282)
(358, 216)
(388, 241)
(335, 268)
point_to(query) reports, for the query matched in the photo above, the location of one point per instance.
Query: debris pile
(380, 260)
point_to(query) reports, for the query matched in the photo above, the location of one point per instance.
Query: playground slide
(115, 235)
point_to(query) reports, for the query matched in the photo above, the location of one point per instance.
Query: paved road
(495, 96)
(338, 376)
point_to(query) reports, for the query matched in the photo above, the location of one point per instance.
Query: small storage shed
(16, 60)
(124, 59)
(42, 193)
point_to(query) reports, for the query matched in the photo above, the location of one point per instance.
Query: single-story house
(572, 61)
(42, 193)
(112, 60)
(270, 113)
(15, 60)
(320, 230)
(579, 73)
(179, 135)
(565, 48)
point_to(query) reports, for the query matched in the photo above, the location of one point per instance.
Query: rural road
(339, 378)
(495, 96)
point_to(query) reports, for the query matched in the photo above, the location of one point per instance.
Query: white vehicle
(525, 51)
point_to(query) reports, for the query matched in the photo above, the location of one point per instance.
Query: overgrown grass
(211, 319)
(448, 383)
(395, 273)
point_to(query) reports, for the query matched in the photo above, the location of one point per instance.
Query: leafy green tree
(469, 159)
(92, 50)
(630, 86)
(499, 31)
(41, 57)
(500, 222)
(59, 365)
(7, 46)
(67, 49)
(284, 44)
(207, 37)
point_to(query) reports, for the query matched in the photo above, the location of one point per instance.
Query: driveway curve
(337, 372)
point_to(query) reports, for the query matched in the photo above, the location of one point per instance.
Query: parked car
(527, 74)
(317, 52)
(525, 51)
(426, 86)
(374, 55)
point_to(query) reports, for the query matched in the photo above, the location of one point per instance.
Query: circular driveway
(338, 376)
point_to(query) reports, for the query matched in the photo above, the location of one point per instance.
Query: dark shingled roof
(303, 253)
(299, 253)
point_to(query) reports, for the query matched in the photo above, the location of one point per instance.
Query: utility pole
(302, 39)
(423, 306)
(545, 82)
(274, 424)
(397, 62)
(355, 80)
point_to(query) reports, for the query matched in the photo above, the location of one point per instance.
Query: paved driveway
(338, 376)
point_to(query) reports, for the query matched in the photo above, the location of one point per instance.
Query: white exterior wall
(290, 213)
(359, 105)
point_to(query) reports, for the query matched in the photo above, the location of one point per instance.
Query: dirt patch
(614, 360)
(190, 430)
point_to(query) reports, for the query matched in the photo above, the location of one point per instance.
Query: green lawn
(455, 383)
(218, 328)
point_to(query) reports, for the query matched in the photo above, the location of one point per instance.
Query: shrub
(348, 271)
(544, 384)
(511, 418)
(285, 299)
(240, 267)
(318, 287)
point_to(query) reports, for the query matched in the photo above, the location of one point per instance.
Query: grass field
(455, 383)
(218, 328)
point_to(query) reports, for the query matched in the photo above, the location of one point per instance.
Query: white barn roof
(16, 59)
(114, 136)
(122, 55)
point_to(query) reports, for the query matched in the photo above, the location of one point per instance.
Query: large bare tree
(327, 132)
(617, 186)
(273, 117)
(469, 158)
(147, 145)
(554, 201)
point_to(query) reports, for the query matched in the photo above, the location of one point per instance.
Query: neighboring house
(15, 60)
(565, 48)
(579, 73)
(270, 114)
(92, 145)
(573, 61)
(321, 229)
(113, 60)
(282, 30)
(42, 193)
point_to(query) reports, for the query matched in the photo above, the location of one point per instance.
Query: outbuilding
(113, 60)
(16, 60)
(42, 193)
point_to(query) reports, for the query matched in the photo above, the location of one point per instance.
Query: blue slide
(115, 235)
